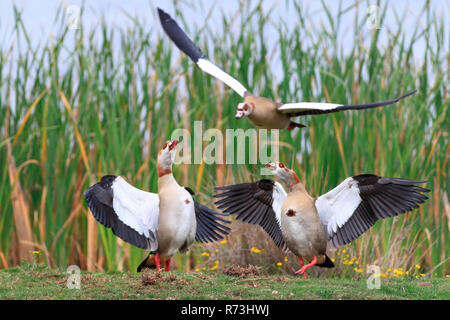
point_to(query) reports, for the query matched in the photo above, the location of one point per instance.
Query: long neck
(292, 180)
(167, 181)
(163, 170)
(165, 176)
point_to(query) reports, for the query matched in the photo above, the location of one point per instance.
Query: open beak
(173, 144)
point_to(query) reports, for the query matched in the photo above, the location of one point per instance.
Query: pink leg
(302, 263)
(157, 262)
(306, 267)
(167, 265)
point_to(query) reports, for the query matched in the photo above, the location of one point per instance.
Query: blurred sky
(39, 16)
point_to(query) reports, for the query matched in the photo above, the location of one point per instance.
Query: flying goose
(262, 112)
(163, 223)
(305, 224)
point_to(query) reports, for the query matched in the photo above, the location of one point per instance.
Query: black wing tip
(162, 14)
(406, 182)
(210, 225)
(408, 93)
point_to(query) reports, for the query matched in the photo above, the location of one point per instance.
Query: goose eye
(281, 165)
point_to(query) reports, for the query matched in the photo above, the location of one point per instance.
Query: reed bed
(72, 111)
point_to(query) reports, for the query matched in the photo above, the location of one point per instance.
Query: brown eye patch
(245, 107)
(281, 165)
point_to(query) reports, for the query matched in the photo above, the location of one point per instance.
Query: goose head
(286, 175)
(244, 109)
(166, 157)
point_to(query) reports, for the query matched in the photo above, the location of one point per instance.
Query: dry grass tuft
(152, 278)
(242, 272)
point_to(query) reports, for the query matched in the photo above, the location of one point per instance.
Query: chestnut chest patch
(187, 201)
(290, 213)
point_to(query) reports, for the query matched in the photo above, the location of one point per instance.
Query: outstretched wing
(210, 225)
(351, 208)
(256, 203)
(132, 214)
(182, 41)
(308, 108)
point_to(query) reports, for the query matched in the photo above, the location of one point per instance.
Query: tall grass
(104, 104)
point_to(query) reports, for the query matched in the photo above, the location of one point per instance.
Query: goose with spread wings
(305, 224)
(163, 222)
(261, 112)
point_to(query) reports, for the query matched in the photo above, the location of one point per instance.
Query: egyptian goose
(305, 224)
(262, 112)
(163, 223)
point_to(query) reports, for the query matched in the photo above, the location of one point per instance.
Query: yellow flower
(332, 259)
(215, 266)
(279, 264)
(206, 254)
(344, 251)
(417, 266)
(447, 275)
(285, 259)
(36, 252)
(422, 274)
(223, 241)
(255, 250)
(197, 269)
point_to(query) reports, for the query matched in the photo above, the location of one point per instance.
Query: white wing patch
(136, 208)
(215, 71)
(278, 195)
(338, 205)
(307, 106)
